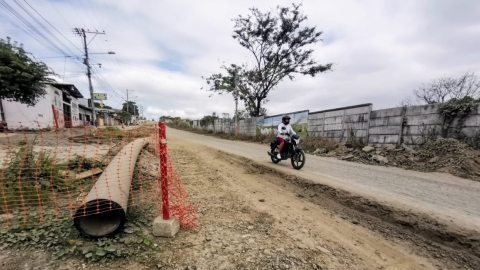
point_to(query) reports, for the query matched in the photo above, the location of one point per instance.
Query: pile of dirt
(441, 155)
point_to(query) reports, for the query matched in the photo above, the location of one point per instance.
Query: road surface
(439, 195)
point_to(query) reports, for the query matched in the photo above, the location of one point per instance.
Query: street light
(103, 53)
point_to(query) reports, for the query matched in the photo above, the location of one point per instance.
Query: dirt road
(442, 195)
(253, 220)
(257, 211)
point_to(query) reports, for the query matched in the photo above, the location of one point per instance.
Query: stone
(250, 227)
(348, 157)
(5, 217)
(320, 151)
(261, 200)
(380, 159)
(368, 149)
(389, 147)
(165, 228)
(408, 149)
(434, 159)
(322, 249)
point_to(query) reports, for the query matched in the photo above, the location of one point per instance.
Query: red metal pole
(55, 116)
(163, 170)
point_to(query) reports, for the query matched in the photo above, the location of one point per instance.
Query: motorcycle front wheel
(298, 160)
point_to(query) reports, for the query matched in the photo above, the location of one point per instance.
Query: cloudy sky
(381, 50)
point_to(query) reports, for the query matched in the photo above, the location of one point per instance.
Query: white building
(58, 108)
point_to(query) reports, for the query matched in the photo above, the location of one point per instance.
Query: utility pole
(236, 103)
(128, 104)
(81, 32)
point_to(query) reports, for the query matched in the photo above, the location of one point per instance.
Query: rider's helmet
(284, 118)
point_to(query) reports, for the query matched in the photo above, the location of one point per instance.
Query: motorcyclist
(284, 128)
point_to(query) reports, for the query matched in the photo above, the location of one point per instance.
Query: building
(58, 108)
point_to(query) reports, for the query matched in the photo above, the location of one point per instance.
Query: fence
(53, 174)
(410, 125)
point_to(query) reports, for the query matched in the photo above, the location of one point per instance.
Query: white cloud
(381, 50)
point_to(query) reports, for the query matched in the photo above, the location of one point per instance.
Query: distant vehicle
(291, 150)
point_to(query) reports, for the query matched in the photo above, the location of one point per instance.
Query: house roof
(85, 107)
(70, 88)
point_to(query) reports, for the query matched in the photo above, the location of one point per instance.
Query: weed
(29, 176)
(81, 164)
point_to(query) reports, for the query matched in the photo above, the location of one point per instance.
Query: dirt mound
(441, 155)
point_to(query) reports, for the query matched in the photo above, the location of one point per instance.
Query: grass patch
(308, 143)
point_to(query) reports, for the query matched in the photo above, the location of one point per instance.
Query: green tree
(132, 107)
(280, 46)
(22, 79)
(125, 117)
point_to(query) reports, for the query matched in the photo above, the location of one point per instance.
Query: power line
(51, 25)
(31, 30)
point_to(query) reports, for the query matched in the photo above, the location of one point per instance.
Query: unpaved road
(442, 195)
(362, 233)
(251, 219)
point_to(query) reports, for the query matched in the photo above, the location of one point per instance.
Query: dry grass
(308, 143)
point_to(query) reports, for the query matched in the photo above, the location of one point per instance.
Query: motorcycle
(291, 149)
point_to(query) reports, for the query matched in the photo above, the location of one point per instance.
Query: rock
(389, 147)
(320, 151)
(378, 152)
(380, 159)
(322, 249)
(408, 149)
(261, 200)
(45, 183)
(399, 150)
(348, 157)
(368, 149)
(349, 145)
(434, 159)
(250, 227)
(6, 217)
(355, 222)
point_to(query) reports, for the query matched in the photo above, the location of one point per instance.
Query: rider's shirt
(282, 128)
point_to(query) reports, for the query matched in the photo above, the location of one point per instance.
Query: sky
(380, 50)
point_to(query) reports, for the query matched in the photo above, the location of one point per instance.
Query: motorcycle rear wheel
(298, 160)
(274, 157)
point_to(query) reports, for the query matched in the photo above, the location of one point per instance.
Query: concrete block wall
(335, 123)
(385, 126)
(412, 125)
(409, 125)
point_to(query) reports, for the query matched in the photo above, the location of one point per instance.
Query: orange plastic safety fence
(46, 170)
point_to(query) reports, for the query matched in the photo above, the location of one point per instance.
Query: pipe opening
(109, 220)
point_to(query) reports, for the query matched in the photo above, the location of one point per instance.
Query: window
(80, 116)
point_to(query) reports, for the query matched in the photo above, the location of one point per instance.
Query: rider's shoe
(279, 156)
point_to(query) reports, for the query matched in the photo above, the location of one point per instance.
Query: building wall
(40, 116)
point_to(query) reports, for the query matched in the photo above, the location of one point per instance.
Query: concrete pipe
(104, 211)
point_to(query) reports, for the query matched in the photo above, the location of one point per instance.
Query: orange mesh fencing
(46, 171)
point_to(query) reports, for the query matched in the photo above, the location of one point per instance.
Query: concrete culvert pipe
(104, 211)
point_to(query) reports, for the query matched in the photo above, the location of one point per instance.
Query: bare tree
(445, 88)
(282, 48)
(408, 101)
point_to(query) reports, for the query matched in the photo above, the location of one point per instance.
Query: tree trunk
(258, 107)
